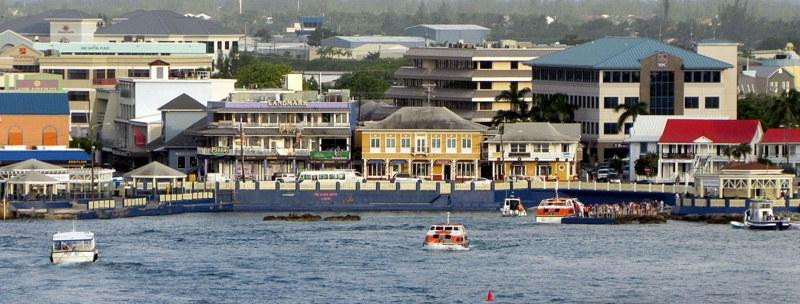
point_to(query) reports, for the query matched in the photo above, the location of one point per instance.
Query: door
(447, 170)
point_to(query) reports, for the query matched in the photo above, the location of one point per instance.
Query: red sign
(139, 136)
(23, 51)
(65, 28)
(46, 84)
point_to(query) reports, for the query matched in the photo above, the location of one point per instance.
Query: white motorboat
(761, 217)
(73, 247)
(512, 206)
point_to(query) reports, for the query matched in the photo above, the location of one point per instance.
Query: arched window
(49, 136)
(14, 136)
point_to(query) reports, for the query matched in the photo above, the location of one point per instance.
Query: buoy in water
(490, 296)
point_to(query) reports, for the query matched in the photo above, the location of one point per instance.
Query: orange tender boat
(552, 210)
(446, 237)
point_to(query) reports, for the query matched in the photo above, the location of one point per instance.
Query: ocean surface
(238, 258)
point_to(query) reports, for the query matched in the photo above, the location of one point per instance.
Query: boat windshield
(73, 245)
(557, 203)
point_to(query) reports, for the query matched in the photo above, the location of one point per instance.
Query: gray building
(770, 80)
(176, 146)
(450, 33)
(351, 42)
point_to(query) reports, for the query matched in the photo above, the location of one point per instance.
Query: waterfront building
(746, 181)
(781, 146)
(644, 135)
(599, 75)
(176, 147)
(788, 60)
(766, 80)
(443, 34)
(463, 79)
(433, 143)
(698, 146)
(275, 136)
(550, 151)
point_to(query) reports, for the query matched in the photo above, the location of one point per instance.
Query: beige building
(599, 75)
(464, 79)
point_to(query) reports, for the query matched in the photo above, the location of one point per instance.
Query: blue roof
(11, 156)
(40, 103)
(616, 53)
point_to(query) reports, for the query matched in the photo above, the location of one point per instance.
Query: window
(628, 126)
(79, 117)
(376, 169)
(139, 73)
(181, 162)
(631, 100)
(712, 102)
(209, 47)
(610, 128)
(78, 96)
(420, 148)
(662, 93)
(514, 65)
(405, 142)
(77, 74)
(14, 136)
(610, 102)
(227, 45)
(465, 169)
(486, 106)
(485, 85)
(466, 143)
(518, 148)
(390, 144)
(49, 136)
(192, 162)
(691, 102)
(485, 65)
(375, 143)
(541, 148)
(701, 76)
(643, 148)
(436, 143)
(451, 143)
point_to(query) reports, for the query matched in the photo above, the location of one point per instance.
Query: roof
(163, 22)
(182, 140)
(155, 170)
(453, 27)
(38, 24)
(763, 71)
(39, 103)
(73, 236)
(122, 48)
(380, 39)
(183, 102)
(33, 178)
(539, 132)
(623, 53)
(781, 135)
(749, 166)
(439, 52)
(43, 155)
(648, 128)
(716, 131)
(31, 164)
(424, 118)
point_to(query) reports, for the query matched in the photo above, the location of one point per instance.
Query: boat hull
(549, 219)
(505, 213)
(762, 225)
(71, 257)
(449, 247)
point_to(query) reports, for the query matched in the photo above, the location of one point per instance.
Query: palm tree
(520, 110)
(553, 108)
(728, 151)
(783, 108)
(742, 150)
(630, 110)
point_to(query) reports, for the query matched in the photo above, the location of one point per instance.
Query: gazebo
(154, 172)
(745, 180)
(32, 183)
(32, 165)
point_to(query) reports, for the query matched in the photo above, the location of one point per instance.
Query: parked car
(615, 178)
(602, 174)
(285, 177)
(404, 178)
(480, 181)
(217, 177)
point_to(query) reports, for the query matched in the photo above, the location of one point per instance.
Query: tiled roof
(39, 103)
(424, 118)
(623, 53)
(183, 102)
(38, 25)
(162, 22)
(685, 131)
(781, 135)
(749, 166)
(648, 128)
(539, 132)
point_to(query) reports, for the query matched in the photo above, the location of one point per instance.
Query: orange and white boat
(446, 237)
(552, 210)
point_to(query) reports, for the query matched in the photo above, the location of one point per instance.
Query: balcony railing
(330, 155)
(677, 155)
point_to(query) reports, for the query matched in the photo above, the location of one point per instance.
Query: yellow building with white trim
(550, 151)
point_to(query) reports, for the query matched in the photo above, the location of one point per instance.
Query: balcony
(677, 155)
(330, 155)
(227, 151)
(104, 81)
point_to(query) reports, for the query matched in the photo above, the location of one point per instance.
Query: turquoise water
(237, 258)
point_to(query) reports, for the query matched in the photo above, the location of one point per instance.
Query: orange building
(32, 119)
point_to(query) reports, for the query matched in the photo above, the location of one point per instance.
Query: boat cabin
(73, 241)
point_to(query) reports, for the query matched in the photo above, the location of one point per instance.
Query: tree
(321, 33)
(519, 108)
(372, 56)
(647, 165)
(310, 84)
(365, 84)
(742, 150)
(630, 110)
(553, 108)
(262, 75)
(784, 108)
(83, 143)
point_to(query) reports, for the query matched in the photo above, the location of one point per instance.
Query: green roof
(617, 53)
(123, 47)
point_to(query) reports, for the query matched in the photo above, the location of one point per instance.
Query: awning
(375, 161)
(397, 161)
(50, 156)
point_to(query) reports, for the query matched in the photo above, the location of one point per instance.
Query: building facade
(34, 120)
(443, 34)
(465, 80)
(428, 142)
(535, 150)
(781, 146)
(599, 75)
(765, 80)
(275, 137)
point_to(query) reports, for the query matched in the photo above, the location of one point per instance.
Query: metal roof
(612, 53)
(38, 103)
(42, 155)
(539, 132)
(684, 131)
(155, 170)
(31, 164)
(648, 128)
(380, 39)
(123, 48)
(450, 27)
(38, 24)
(424, 118)
(183, 102)
(162, 22)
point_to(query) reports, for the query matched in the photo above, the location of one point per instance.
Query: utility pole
(502, 151)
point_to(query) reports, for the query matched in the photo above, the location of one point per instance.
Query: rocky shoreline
(307, 217)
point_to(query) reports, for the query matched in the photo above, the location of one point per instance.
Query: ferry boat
(512, 206)
(761, 217)
(73, 247)
(552, 210)
(446, 237)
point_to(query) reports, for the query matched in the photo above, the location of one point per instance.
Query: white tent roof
(155, 170)
(33, 178)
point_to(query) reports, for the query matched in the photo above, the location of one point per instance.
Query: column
(453, 170)
(430, 168)
(475, 173)
(386, 167)
(494, 170)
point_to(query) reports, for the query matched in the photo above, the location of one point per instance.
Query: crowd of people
(650, 208)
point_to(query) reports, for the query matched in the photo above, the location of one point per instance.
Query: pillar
(475, 173)
(453, 170)
(494, 170)
(430, 168)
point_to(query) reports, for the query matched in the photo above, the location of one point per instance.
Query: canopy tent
(40, 183)
(31, 164)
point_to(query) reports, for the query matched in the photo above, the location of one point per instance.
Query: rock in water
(294, 218)
(346, 218)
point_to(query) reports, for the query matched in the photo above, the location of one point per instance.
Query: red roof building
(688, 131)
(781, 135)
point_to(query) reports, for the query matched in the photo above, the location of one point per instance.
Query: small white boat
(512, 206)
(761, 217)
(73, 247)
(446, 237)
